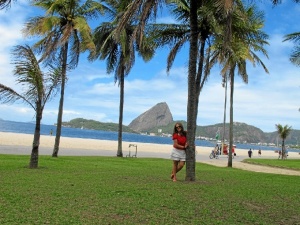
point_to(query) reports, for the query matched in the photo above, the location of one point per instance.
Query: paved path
(253, 168)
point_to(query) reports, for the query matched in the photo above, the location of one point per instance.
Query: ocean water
(28, 128)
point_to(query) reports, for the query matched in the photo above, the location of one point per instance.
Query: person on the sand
(250, 153)
(178, 154)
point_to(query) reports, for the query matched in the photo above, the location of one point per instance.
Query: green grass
(111, 190)
(293, 164)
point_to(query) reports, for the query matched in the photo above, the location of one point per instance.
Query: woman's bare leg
(180, 166)
(174, 170)
(177, 166)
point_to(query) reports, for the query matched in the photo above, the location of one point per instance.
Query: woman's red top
(181, 139)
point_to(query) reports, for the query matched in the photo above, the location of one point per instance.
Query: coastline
(94, 145)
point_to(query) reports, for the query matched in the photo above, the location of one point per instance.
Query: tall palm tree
(65, 33)
(224, 84)
(39, 88)
(143, 10)
(295, 56)
(119, 52)
(176, 35)
(247, 38)
(283, 133)
(192, 90)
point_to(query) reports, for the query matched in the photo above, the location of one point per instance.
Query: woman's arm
(176, 145)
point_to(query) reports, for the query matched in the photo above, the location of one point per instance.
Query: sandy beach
(17, 139)
(15, 143)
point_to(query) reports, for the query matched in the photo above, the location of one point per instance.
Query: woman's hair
(182, 128)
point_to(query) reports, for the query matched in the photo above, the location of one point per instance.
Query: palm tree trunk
(199, 79)
(120, 153)
(224, 117)
(34, 158)
(191, 105)
(231, 118)
(61, 101)
(282, 149)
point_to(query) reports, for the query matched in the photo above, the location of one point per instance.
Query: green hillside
(95, 125)
(242, 132)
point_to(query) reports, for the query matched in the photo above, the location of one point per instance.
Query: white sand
(17, 139)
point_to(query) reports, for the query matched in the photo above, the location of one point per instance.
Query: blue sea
(28, 128)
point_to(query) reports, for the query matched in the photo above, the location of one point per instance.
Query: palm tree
(224, 84)
(247, 38)
(283, 133)
(39, 89)
(143, 10)
(119, 52)
(65, 33)
(295, 56)
(176, 35)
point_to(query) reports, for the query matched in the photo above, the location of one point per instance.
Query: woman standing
(178, 152)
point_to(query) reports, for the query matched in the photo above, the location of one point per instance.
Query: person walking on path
(178, 154)
(250, 153)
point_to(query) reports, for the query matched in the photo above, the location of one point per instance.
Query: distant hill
(159, 121)
(242, 132)
(158, 115)
(95, 125)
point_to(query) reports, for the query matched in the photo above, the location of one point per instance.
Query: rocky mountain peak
(158, 115)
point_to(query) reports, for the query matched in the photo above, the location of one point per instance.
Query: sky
(91, 93)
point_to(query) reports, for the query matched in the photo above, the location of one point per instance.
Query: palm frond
(52, 82)
(92, 9)
(130, 11)
(9, 95)
(295, 37)
(283, 131)
(37, 86)
(5, 4)
(28, 72)
(171, 57)
(295, 56)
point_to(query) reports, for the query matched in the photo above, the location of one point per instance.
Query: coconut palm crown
(283, 132)
(295, 56)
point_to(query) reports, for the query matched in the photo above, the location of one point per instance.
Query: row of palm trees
(218, 32)
(65, 33)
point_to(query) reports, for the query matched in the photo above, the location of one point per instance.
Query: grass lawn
(111, 190)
